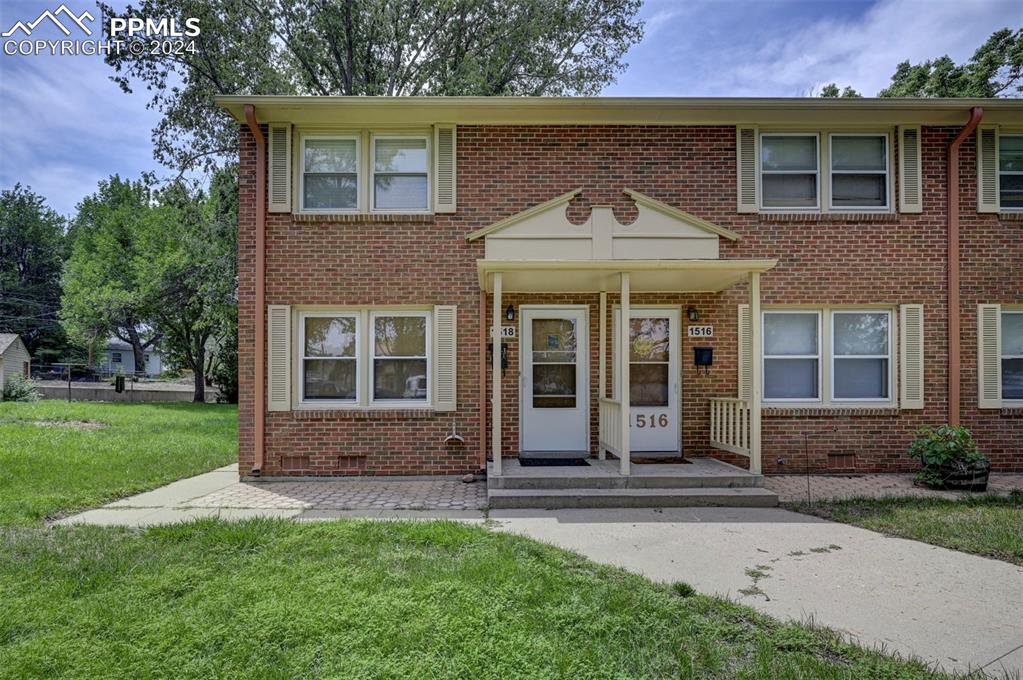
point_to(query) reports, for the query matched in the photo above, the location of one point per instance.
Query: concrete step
(741, 497)
(556, 481)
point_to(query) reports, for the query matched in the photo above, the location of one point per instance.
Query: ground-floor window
(1012, 355)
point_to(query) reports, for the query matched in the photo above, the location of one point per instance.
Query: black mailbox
(703, 356)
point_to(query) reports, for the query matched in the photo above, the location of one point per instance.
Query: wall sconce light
(509, 313)
(692, 314)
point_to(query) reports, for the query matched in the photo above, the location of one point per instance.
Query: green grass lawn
(984, 525)
(58, 457)
(363, 599)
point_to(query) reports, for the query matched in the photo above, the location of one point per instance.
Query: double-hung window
(400, 348)
(861, 355)
(859, 171)
(792, 356)
(1010, 172)
(1012, 355)
(330, 173)
(329, 363)
(789, 171)
(401, 178)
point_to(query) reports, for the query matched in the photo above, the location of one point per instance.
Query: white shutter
(987, 169)
(747, 163)
(445, 350)
(911, 356)
(278, 357)
(989, 356)
(745, 353)
(444, 171)
(911, 194)
(278, 167)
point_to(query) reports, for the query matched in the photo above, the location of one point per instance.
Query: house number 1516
(651, 421)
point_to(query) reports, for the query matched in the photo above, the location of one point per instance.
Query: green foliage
(19, 388)
(994, 70)
(368, 47)
(831, 91)
(32, 248)
(940, 446)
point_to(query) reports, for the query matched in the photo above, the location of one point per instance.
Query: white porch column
(756, 379)
(623, 371)
(602, 370)
(495, 401)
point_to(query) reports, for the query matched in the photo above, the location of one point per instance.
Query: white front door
(554, 394)
(654, 340)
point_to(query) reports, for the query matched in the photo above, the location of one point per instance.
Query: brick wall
(845, 260)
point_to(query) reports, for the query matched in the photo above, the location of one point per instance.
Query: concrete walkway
(954, 610)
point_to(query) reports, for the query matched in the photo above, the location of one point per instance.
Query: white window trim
(302, 316)
(373, 173)
(761, 172)
(371, 353)
(818, 356)
(998, 167)
(890, 357)
(1009, 402)
(887, 174)
(303, 138)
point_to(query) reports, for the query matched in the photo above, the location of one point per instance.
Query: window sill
(354, 413)
(1013, 216)
(828, 216)
(350, 218)
(775, 411)
(1013, 410)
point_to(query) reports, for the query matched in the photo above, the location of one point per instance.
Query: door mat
(661, 461)
(552, 462)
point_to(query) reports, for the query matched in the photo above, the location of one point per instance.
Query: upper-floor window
(1010, 171)
(1012, 355)
(859, 171)
(330, 173)
(401, 178)
(790, 171)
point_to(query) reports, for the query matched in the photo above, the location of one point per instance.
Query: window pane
(860, 333)
(1012, 334)
(1011, 187)
(790, 333)
(400, 155)
(790, 379)
(789, 191)
(400, 336)
(788, 153)
(1010, 153)
(329, 337)
(554, 340)
(861, 378)
(1012, 378)
(870, 191)
(400, 192)
(399, 379)
(330, 155)
(329, 379)
(648, 340)
(648, 384)
(554, 386)
(325, 192)
(858, 153)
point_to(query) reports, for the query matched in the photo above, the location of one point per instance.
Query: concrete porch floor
(697, 470)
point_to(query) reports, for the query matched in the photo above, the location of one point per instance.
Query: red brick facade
(832, 259)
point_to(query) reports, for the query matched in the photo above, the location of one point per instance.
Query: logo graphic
(52, 16)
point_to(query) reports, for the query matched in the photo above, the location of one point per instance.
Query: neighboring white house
(117, 357)
(14, 357)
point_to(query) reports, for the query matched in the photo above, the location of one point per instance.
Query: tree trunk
(137, 350)
(199, 374)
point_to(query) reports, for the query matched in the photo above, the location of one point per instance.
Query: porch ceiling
(594, 276)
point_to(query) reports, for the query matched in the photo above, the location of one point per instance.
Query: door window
(554, 363)
(649, 367)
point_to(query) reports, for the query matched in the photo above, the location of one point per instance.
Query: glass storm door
(554, 395)
(654, 339)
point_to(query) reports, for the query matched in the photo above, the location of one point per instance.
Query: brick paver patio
(793, 488)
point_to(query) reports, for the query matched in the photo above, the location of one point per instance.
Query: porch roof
(594, 276)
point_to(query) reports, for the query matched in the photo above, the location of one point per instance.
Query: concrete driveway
(954, 610)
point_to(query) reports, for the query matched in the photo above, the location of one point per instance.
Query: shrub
(19, 388)
(937, 448)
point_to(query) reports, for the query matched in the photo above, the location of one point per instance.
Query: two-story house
(427, 284)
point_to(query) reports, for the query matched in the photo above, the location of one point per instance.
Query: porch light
(692, 314)
(510, 313)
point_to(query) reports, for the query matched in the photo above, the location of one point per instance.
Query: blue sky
(64, 125)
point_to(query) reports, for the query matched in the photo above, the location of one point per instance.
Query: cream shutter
(989, 356)
(444, 179)
(911, 194)
(445, 350)
(911, 356)
(987, 169)
(747, 167)
(745, 353)
(278, 357)
(278, 167)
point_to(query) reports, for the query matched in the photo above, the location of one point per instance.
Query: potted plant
(950, 459)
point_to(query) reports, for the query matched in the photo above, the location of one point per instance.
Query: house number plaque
(700, 331)
(507, 332)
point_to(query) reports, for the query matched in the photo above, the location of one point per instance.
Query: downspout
(259, 400)
(976, 113)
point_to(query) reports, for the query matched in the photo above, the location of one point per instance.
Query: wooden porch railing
(610, 424)
(730, 425)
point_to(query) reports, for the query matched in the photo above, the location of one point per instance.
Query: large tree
(31, 260)
(367, 47)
